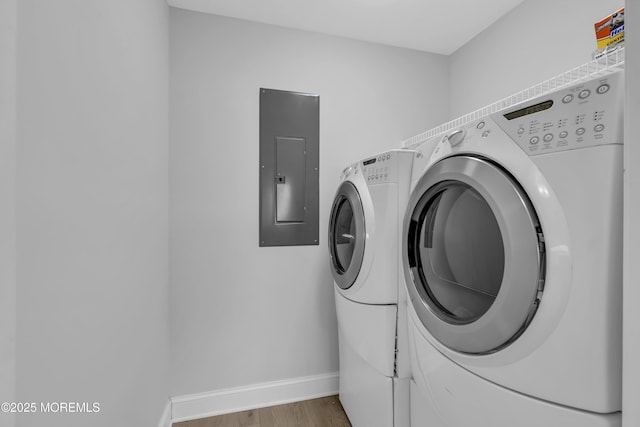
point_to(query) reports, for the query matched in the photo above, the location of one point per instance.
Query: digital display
(368, 162)
(529, 110)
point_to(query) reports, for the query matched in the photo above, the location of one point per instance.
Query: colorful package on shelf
(609, 32)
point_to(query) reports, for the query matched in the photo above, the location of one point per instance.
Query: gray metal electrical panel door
(289, 168)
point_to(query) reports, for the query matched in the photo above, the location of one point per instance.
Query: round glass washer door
(346, 235)
(473, 255)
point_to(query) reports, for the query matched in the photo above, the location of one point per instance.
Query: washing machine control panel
(381, 168)
(376, 169)
(583, 115)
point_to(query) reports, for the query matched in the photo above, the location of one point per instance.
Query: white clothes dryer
(512, 254)
(364, 248)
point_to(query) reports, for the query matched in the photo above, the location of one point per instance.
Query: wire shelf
(601, 65)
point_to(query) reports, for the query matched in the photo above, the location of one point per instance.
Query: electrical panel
(289, 168)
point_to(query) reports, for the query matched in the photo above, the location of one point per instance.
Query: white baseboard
(165, 419)
(202, 405)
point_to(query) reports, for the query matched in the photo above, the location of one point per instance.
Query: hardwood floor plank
(290, 415)
(322, 412)
(238, 419)
(326, 412)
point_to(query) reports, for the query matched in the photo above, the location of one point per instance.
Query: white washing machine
(364, 241)
(512, 254)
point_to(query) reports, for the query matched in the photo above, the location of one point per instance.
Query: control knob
(456, 137)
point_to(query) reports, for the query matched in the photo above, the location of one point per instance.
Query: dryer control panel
(587, 114)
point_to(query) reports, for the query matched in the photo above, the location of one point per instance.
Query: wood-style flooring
(323, 412)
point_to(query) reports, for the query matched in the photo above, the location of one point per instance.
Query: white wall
(241, 314)
(92, 202)
(7, 206)
(537, 40)
(631, 328)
